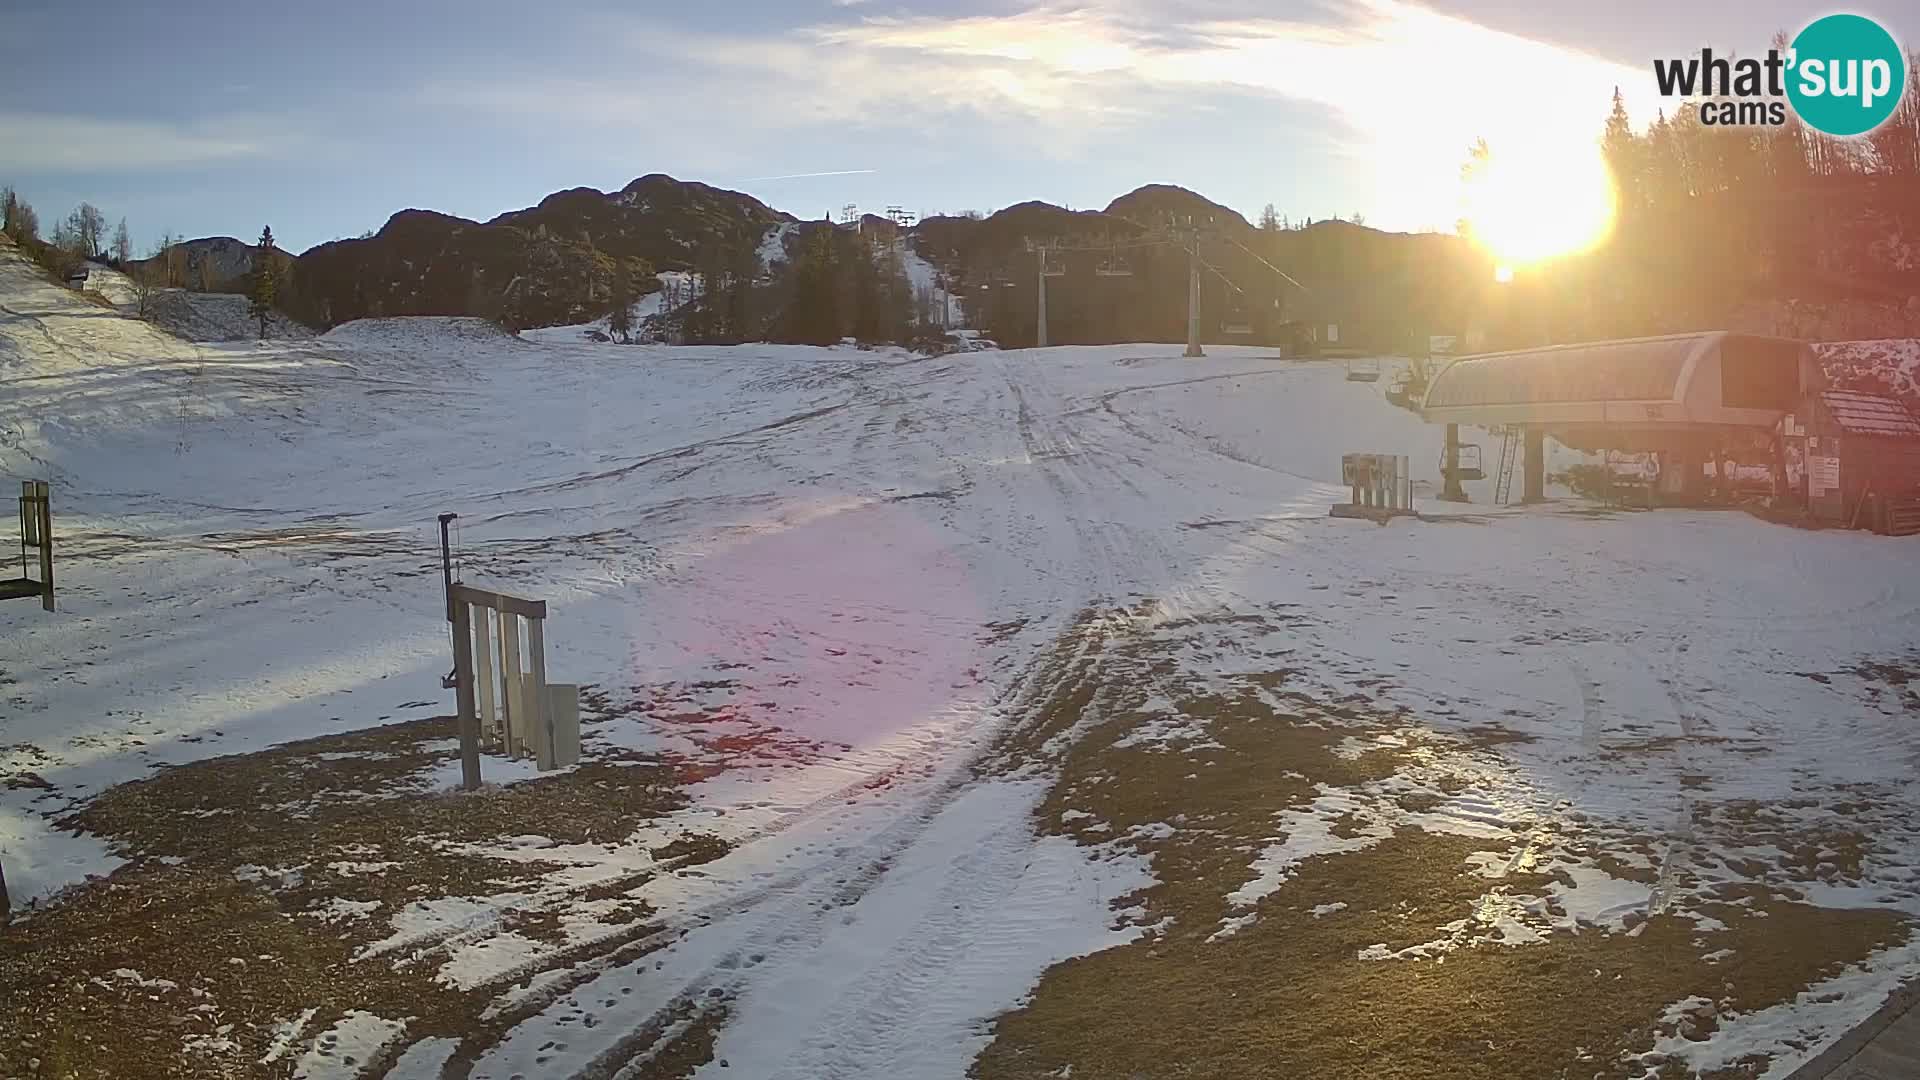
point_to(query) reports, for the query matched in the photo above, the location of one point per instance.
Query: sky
(218, 117)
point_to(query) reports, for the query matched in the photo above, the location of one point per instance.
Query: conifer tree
(620, 312)
(264, 283)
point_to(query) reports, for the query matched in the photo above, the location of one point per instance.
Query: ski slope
(248, 556)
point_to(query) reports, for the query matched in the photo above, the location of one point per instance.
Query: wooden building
(1855, 458)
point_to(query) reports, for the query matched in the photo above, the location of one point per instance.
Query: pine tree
(122, 244)
(1269, 219)
(620, 310)
(813, 314)
(264, 284)
(1624, 155)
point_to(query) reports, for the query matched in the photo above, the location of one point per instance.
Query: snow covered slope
(861, 554)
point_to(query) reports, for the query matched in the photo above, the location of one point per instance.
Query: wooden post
(464, 718)
(514, 705)
(539, 724)
(483, 647)
(46, 545)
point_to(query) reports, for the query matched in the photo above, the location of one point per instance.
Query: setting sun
(1525, 204)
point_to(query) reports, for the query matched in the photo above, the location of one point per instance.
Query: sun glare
(1525, 205)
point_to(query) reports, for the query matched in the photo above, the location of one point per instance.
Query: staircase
(1509, 455)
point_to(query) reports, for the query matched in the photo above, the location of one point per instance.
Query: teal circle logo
(1845, 75)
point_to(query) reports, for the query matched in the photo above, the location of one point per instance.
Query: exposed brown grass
(235, 860)
(1287, 996)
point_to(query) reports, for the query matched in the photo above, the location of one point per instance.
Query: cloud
(808, 175)
(1410, 87)
(48, 142)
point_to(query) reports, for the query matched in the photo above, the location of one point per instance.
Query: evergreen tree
(122, 244)
(863, 286)
(1623, 153)
(264, 282)
(620, 311)
(743, 271)
(1269, 219)
(813, 314)
(1896, 143)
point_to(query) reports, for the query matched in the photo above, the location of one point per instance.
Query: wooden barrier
(36, 532)
(500, 680)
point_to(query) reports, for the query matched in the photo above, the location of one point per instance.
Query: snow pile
(417, 331)
(199, 316)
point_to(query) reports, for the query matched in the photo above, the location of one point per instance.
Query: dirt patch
(1290, 996)
(258, 882)
(1412, 954)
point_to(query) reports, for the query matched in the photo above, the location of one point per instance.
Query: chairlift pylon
(1470, 466)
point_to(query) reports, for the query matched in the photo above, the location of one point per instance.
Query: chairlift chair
(1053, 266)
(1236, 323)
(1113, 266)
(1363, 369)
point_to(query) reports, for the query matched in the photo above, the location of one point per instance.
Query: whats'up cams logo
(1842, 75)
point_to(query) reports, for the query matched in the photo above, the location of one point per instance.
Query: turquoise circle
(1848, 50)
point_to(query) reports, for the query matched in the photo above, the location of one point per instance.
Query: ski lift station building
(1688, 397)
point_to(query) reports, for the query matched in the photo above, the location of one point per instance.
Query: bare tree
(149, 276)
(64, 250)
(122, 244)
(88, 228)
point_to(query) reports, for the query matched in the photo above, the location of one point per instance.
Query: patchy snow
(1308, 833)
(925, 278)
(812, 543)
(439, 917)
(773, 247)
(424, 1060)
(1880, 366)
(343, 1050)
(1597, 899)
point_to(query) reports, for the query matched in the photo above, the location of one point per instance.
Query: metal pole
(1040, 334)
(446, 564)
(446, 592)
(1193, 295)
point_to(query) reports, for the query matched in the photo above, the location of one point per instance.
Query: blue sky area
(324, 119)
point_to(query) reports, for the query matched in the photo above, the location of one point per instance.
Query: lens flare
(1526, 205)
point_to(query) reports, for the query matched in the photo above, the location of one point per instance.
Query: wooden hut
(1860, 462)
